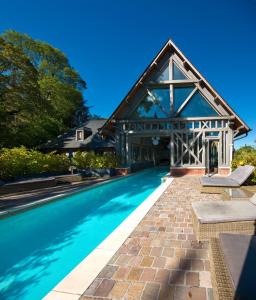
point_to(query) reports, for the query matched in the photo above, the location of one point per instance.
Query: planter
(98, 172)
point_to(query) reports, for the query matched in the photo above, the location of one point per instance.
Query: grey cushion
(253, 199)
(241, 174)
(224, 211)
(235, 179)
(240, 257)
(218, 181)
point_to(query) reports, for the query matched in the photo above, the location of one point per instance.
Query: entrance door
(212, 156)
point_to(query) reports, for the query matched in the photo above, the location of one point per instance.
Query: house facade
(172, 115)
(83, 138)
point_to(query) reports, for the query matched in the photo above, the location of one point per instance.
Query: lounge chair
(232, 262)
(235, 179)
(213, 217)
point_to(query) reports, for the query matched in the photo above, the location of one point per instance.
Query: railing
(177, 124)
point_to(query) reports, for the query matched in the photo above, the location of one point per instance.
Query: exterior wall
(224, 171)
(190, 140)
(187, 171)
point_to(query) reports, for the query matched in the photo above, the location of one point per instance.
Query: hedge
(85, 160)
(21, 162)
(245, 156)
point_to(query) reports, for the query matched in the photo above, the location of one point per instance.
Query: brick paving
(161, 259)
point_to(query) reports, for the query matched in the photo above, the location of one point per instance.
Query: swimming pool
(38, 247)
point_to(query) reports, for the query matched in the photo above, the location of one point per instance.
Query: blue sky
(111, 42)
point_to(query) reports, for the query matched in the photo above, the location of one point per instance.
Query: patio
(161, 259)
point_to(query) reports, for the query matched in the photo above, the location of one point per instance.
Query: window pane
(180, 94)
(163, 75)
(198, 107)
(177, 73)
(212, 133)
(155, 106)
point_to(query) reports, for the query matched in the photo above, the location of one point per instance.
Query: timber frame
(189, 137)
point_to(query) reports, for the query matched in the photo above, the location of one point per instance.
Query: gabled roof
(240, 125)
(92, 140)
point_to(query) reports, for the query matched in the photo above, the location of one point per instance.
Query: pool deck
(161, 258)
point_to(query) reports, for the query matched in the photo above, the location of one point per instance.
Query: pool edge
(80, 278)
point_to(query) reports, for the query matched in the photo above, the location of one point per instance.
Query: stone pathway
(161, 259)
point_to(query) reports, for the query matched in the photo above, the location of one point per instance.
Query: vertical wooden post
(128, 150)
(172, 148)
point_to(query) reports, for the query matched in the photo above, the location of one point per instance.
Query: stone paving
(161, 259)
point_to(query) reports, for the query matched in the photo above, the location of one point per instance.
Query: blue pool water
(40, 246)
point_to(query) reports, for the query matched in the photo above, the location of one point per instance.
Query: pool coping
(80, 278)
(46, 200)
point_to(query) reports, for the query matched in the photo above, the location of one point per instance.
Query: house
(83, 138)
(172, 115)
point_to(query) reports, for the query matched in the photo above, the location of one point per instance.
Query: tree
(42, 75)
(21, 103)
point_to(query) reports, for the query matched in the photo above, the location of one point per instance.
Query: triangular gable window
(153, 106)
(197, 107)
(178, 74)
(163, 75)
(180, 94)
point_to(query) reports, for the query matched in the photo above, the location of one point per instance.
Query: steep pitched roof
(68, 140)
(169, 46)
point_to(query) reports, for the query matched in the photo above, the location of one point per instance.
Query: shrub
(245, 156)
(20, 162)
(84, 160)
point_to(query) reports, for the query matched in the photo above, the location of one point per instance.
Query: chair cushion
(224, 211)
(218, 181)
(241, 174)
(240, 258)
(253, 199)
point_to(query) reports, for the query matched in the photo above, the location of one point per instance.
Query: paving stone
(186, 293)
(197, 265)
(162, 276)
(205, 279)
(108, 271)
(192, 279)
(134, 274)
(148, 274)
(156, 251)
(135, 290)
(151, 291)
(169, 252)
(159, 262)
(177, 277)
(119, 290)
(123, 259)
(92, 288)
(121, 273)
(104, 288)
(147, 261)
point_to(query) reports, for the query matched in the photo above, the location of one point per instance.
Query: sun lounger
(235, 179)
(212, 217)
(232, 261)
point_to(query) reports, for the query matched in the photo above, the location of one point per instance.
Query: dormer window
(79, 135)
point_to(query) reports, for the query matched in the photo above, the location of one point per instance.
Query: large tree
(40, 93)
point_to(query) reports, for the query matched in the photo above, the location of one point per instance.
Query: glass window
(177, 73)
(198, 107)
(163, 74)
(79, 135)
(212, 133)
(180, 94)
(154, 106)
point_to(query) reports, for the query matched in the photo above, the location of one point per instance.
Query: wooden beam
(186, 101)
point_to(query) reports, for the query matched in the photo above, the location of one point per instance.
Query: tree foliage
(40, 93)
